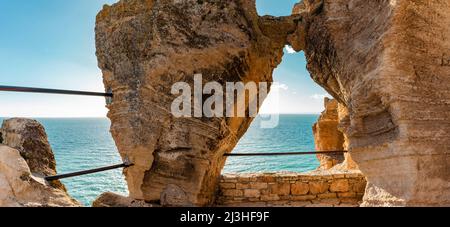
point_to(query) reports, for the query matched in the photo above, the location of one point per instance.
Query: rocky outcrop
(22, 168)
(109, 199)
(144, 47)
(30, 139)
(387, 62)
(327, 136)
(20, 188)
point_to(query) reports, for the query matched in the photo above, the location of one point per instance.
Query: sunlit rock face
(30, 139)
(144, 47)
(327, 136)
(25, 159)
(388, 62)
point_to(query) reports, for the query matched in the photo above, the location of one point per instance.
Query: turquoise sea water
(86, 143)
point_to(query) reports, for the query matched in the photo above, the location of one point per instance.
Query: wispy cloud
(290, 50)
(320, 96)
(280, 86)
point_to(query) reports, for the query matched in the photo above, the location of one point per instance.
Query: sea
(86, 143)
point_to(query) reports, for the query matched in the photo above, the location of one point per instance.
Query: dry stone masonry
(292, 189)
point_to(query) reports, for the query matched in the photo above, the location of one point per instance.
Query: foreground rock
(25, 159)
(109, 199)
(143, 49)
(30, 139)
(388, 63)
(20, 188)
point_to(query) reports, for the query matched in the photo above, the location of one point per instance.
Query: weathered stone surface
(319, 188)
(299, 188)
(387, 62)
(29, 137)
(173, 195)
(327, 136)
(252, 193)
(20, 188)
(280, 188)
(109, 199)
(144, 47)
(340, 186)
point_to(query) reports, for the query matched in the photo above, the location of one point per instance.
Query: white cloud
(320, 96)
(280, 86)
(290, 50)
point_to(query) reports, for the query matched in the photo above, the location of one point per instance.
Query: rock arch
(386, 61)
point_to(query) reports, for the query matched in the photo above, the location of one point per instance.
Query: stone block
(299, 189)
(340, 185)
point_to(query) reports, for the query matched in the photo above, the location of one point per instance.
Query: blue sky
(50, 43)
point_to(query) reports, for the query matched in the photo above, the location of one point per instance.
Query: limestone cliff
(327, 136)
(387, 61)
(143, 48)
(23, 167)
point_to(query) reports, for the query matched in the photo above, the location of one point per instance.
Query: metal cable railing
(284, 153)
(126, 164)
(90, 171)
(53, 91)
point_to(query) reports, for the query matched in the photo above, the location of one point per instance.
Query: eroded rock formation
(30, 139)
(144, 47)
(23, 167)
(327, 136)
(387, 62)
(109, 199)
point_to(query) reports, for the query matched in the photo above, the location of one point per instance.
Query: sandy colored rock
(386, 61)
(318, 187)
(340, 186)
(109, 199)
(280, 189)
(143, 48)
(305, 189)
(19, 188)
(299, 188)
(29, 137)
(327, 136)
(252, 193)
